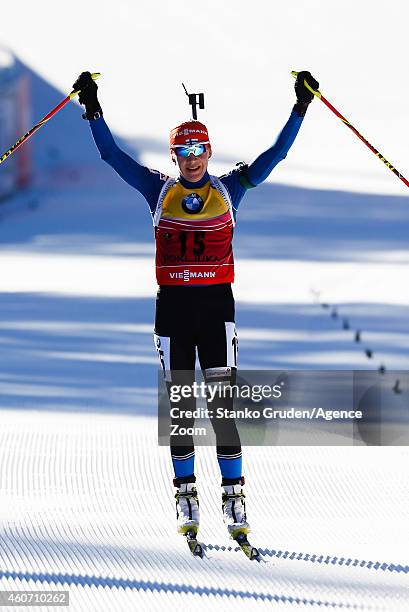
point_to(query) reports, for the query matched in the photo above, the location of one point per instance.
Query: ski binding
(250, 551)
(195, 547)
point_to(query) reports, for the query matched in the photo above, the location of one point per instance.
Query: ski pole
(348, 124)
(37, 126)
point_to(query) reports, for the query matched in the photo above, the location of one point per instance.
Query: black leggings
(202, 318)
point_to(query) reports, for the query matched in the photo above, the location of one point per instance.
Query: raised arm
(259, 170)
(245, 177)
(148, 182)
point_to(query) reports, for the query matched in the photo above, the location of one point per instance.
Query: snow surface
(86, 495)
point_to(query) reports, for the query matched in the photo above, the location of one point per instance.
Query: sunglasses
(196, 149)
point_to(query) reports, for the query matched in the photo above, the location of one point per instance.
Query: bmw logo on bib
(192, 203)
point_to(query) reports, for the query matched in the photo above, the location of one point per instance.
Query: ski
(250, 551)
(195, 547)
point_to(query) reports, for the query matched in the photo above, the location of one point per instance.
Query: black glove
(88, 95)
(304, 96)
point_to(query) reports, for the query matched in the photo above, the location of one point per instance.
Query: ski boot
(187, 513)
(187, 504)
(234, 515)
(234, 507)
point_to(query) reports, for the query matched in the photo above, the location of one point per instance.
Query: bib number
(198, 242)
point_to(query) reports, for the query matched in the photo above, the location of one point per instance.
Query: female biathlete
(194, 217)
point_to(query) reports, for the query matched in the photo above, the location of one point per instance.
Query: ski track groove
(314, 558)
(86, 580)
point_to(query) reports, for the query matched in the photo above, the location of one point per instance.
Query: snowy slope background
(86, 493)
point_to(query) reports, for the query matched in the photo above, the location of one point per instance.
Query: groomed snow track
(87, 506)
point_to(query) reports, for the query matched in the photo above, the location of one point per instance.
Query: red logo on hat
(187, 133)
